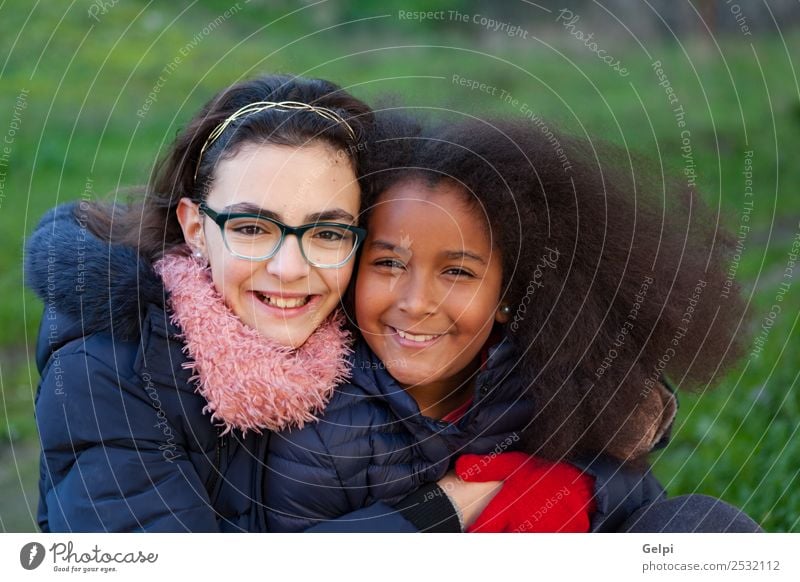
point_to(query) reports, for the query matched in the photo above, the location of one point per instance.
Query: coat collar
(496, 383)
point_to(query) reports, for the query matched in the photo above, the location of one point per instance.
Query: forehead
(287, 180)
(442, 211)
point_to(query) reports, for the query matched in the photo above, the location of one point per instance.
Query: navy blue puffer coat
(126, 446)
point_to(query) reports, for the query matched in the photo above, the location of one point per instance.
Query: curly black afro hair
(616, 280)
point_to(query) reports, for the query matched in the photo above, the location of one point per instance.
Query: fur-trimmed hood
(85, 279)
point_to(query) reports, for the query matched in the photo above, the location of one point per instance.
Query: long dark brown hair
(150, 223)
(614, 280)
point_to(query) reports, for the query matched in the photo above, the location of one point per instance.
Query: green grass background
(86, 80)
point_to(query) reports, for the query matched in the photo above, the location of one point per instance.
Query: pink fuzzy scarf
(250, 381)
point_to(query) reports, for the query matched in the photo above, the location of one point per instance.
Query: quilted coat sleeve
(110, 460)
(618, 490)
(377, 518)
(347, 472)
(304, 482)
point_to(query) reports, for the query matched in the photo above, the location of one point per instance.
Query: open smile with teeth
(283, 302)
(416, 338)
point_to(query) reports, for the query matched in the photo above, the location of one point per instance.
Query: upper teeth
(284, 302)
(415, 338)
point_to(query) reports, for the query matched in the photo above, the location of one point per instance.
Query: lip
(282, 294)
(286, 312)
(393, 333)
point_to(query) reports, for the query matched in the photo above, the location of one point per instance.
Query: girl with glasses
(184, 334)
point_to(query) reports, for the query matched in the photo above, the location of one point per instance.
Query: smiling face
(284, 297)
(428, 288)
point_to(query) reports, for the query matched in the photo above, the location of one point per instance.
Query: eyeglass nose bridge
(298, 232)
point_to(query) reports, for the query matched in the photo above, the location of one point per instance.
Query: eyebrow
(335, 214)
(459, 255)
(383, 245)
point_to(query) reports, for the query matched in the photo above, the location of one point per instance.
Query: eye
(249, 230)
(459, 272)
(329, 235)
(249, 227)
(389, 264)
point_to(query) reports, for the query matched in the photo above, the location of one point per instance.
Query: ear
(503, 313)
(192, 224)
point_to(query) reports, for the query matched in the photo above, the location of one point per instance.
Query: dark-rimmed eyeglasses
(326, 245)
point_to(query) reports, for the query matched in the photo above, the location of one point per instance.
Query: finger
(491, 467)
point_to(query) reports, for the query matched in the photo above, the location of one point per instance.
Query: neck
(439, 398)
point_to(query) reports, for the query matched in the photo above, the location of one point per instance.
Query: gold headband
(264, 105)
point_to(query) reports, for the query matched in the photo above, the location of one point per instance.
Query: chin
(294, 341)
(291, 339)
(416, 379)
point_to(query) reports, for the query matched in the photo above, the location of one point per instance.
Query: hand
(537, 495)
(469, 498)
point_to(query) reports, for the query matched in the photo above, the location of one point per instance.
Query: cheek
(359, 298)
(228, 275)
(478, 314)
(367, 298)
(337, 280)
(347, 275)
(219, 262)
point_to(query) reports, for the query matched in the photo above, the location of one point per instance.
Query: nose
(289, 264)
(416, 295)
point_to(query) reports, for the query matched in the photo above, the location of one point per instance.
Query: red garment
(537, 495)
(458, 413)
(455, 415)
